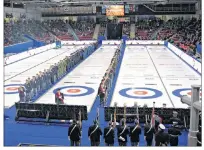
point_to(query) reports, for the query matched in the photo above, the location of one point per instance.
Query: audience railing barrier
(48, 112)
(132, 113)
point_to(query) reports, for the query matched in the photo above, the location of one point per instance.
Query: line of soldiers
(152, 134)
(107, 80)
(45, 79)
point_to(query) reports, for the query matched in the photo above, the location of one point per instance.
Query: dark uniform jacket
(173, 135)
(161, 139)
(95, 136)
(76, 133)
(109, 138)
(199, 138)
(174, 119)
(149, 132)
(124, 134)
(135, 135)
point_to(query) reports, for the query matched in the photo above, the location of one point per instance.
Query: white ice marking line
(160, 78)
(23, 66)
(134, 77)
(10, 99)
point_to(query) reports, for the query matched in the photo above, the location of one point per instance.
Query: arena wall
(18, 48)
(111, 42)
(77, 42)
(189, 60)
(18, 12)
(145, 42)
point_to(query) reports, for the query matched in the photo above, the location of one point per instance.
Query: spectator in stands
(94, 134)
(123, 132)
(135, 132)
(74, 134)
(109, 135)
(174, 133)
(59, 97)
(149, 132)
(161, 138)
(183, 33)
(21, 91)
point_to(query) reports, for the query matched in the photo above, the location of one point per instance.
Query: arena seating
(49, 111)
(83, 29)
(146, 27)
(15, 30)
(58, 28)
(183, 33)
(11, 33)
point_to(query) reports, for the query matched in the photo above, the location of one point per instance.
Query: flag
(138, 117)
(152, 117)
(79, 118)
(97, 115)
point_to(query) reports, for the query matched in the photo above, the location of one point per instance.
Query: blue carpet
(15, 133)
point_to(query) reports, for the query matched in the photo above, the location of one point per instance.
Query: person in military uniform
(74, 134)
(149, 132)
(28, 90)
(175, 118)
(135, 132)
(21, 91)
(94, 134)
(34, 86)
(199, 140)
(123, 131)
(199, 133)
(174, 133)
(109, 135)
(38, 83)
(101, 93)
(41, 81)
(161, 138)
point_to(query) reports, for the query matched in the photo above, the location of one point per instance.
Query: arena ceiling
(97, 2)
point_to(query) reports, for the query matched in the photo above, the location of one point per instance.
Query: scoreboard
(117, 10)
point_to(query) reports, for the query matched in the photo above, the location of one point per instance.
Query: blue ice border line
(166, 45)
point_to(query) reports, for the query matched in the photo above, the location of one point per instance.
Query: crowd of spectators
(83, 29)
(15, 30)
(145, 28)
(185, 34)
(11, 33)
(59, 28)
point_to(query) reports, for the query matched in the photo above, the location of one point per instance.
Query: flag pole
(125, 112)
(97, 116)
(153, 121)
